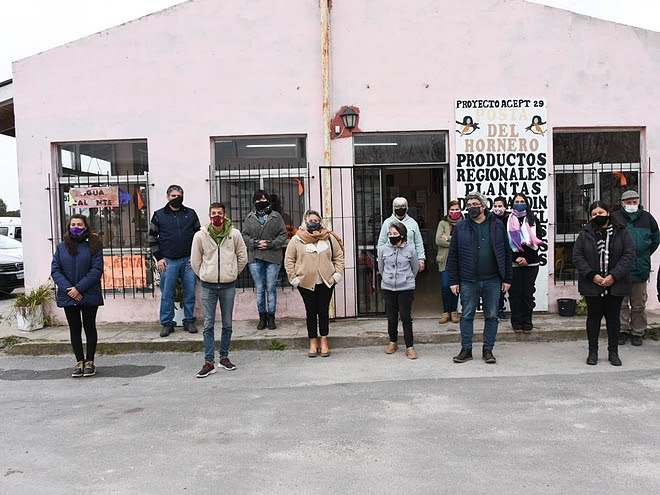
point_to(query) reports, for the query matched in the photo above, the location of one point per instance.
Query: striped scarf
(521, 235)
(603, 238)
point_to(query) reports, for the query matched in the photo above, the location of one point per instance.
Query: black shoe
(636, 340)
(592, 359)
(226, 364)
(189, 326)
(487, 355)
(207, 369)
(90, 369)
(78, 370)
(501, 316)
(270, 321)
(623, 338)
(166, 330)
(463, 356)
(614, 359)
(262, 321)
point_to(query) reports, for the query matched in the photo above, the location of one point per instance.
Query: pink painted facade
(206, 69)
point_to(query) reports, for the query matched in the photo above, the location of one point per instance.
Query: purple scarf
(521, 235)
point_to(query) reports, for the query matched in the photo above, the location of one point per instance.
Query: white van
(11, 227)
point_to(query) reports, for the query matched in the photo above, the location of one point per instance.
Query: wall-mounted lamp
(345, 122)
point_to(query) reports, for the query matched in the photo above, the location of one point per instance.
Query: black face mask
(395, 239)
(400, 212)
(474, 211)
(262, 206)
(176, 202)
(600, 220)
(313, 226)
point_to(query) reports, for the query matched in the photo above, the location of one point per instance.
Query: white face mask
(631, 208)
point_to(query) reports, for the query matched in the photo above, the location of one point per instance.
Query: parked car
(11, 265)
(11, 227)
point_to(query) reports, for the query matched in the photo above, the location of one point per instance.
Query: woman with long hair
(603, 254)
(314, 263)
(77, 268)
(442, 239)
(524, 239)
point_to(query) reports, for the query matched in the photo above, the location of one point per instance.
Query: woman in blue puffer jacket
(77, 269)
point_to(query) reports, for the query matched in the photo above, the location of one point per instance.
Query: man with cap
(644, 230)
(400, 214)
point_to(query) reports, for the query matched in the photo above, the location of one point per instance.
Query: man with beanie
(170, 236)
(400, 214)
(644, 230)
(218, 257)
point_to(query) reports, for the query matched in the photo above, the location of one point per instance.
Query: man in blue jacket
(479, 265)
(170, 238)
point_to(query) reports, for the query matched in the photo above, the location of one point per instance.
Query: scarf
(603, 238)
(452, 223)
(321, 234)
(521, 235)
(218, 236)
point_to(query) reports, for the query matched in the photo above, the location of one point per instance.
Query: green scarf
(218, 236)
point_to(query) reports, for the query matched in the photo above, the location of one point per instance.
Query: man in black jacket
(170, 238)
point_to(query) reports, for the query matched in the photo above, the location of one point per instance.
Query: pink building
(224, 98)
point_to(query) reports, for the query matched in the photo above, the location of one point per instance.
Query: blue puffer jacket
(463, 256)
(82, 271)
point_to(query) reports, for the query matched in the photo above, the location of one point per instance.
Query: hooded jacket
(414, 234)
(218, 263)
(398, 266)
(644, 231)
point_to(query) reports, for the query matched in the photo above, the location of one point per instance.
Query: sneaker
(189, 326)
(90, 369)
(166, 330)
(636, 340)
(207, 369)
(463, 356)
(226, 364)
(411, 353)
(487, 355)
(78, 370)
(623, 338)
(391, 348)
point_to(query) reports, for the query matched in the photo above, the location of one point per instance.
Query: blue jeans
(265, 275)
(449, 300)
(177, 267)
(489, 292)
(210, 299)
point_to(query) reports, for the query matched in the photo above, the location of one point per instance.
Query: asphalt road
(359, 422)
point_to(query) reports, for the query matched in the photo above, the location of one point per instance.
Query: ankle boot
(313, 348)
(262, 321)
(325, 348)
(463, 356)
(455, 317)
(444, 318)
(592, 358)
(614, 358)
(270, 321)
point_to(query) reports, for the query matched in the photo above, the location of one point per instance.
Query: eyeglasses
(472, 205)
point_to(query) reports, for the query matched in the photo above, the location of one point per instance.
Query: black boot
(614, 358)
(463, 356)
(270, 321)
(262, 321)
(592, 358)
(487, 355)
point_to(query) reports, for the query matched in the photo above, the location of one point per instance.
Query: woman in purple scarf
(524, 239)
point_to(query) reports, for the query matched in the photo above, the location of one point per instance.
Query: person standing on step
(499, 210)
(479, 265)
(524, 237)
(442, 240)
(77, 269)
(398, 266)
(218, 257)
(170, 237)
(603, 254)
(644, 230)
(264, 233)
(314, 264)
(400, 214)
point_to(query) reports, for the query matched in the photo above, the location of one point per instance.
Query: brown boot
(391, 348)
(325, 348)
(313, 348)
(444, 318)
(455, 317)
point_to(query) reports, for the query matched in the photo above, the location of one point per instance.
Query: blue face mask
(520, 207)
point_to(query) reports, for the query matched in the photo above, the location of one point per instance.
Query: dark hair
(401, 229)
(453, 202)
(174, 187)
(531, 218)
(501, 199)
(93, 240)
(258, 194)
(613, 219)
(217, 205)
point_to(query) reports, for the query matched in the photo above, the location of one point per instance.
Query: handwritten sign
(124, 272)
(94, 197)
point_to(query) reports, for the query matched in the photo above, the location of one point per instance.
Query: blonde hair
(303, 225)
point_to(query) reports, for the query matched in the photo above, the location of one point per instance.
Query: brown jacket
(302, 261)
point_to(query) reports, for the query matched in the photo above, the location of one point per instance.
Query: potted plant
(29, 308)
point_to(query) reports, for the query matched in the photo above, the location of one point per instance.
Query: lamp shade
(349, 118)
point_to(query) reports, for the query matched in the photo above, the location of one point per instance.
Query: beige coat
(215, 263)
(443, 245)
(303, 261)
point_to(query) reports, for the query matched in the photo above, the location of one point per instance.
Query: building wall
(206, 68)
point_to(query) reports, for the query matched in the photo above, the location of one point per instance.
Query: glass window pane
(596, 147)
(113, 158)
(400, 148)
(574, 193)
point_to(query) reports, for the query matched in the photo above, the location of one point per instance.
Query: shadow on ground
(120, 371)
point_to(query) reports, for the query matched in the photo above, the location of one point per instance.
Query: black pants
(80, 317)
(521, 296)
(317, 304)
(399, 303)
(610, 307)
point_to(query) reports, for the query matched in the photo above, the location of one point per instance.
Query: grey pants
(633, 310)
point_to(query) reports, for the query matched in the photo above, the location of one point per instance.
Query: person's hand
(74, 294)
(521, 261)
(295, 282)
(161, 265)
(598, 280)
(421, 266)
(262, 244)
(505, 286)
(455, 289)
(444, 237)
(607, 281)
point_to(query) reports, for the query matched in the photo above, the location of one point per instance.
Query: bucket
(566, 307)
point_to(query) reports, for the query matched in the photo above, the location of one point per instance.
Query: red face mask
(455, 215)
(217, 221)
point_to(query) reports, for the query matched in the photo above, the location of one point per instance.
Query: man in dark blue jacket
(479, 265)
(170, 238)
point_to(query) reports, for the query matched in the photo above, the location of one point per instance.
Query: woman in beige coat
(442, 239)
(314, 263)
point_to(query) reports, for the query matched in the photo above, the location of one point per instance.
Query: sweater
(398, 267)
(218, 263)
(273, 231)
(82, 271)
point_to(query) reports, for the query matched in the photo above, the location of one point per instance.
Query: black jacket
(587, 261)
(171, 232)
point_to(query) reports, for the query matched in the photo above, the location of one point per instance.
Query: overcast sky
(32, 26)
